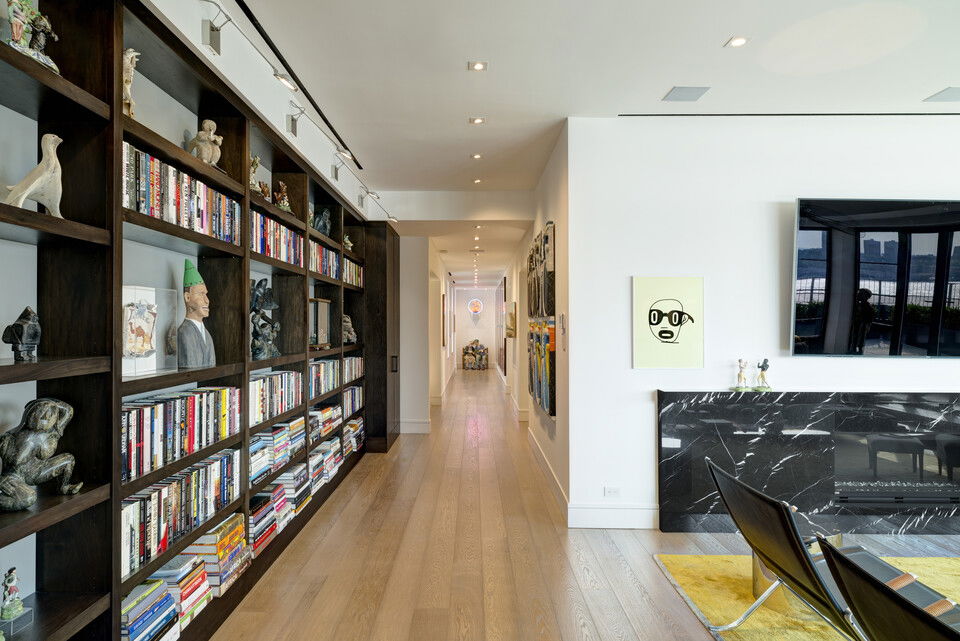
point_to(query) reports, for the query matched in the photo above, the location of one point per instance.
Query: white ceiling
(499, 240)
(392, 75)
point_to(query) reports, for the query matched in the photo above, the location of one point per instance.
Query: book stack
(315, 463)
(283, 507)
(281, 445)
(324, 260)
(273, 393)
(158, 430)
(158, 190)
(324, 376)
(185, 577)
(353, 436)
(297, 433)
(263, 522)
(332, 458)
(149, 613)
(352, 368)
(296, 484)
(352, 399)
(352, 273)
(154, 518)
(323, 421)
(270, 238)
(224, 553)
(261, 457)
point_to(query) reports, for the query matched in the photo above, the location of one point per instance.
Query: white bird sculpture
(43, 183)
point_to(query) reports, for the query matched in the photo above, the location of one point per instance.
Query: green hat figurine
(191, 276)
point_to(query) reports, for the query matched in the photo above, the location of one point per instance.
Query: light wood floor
(456, 536)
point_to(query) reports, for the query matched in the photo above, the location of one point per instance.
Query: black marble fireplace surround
(851, 462)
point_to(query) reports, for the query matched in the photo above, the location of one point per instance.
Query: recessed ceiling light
(477, 65)
(685, 94)
(477, 181)
(477, 120)
(478, 227)
(476, 246)
(476, 238)
(477, 156)
(736, 41)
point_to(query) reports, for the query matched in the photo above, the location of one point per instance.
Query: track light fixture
(345, 153)
(293, 118)
(285, 80)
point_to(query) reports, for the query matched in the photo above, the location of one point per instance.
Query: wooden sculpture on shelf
(43, 184)
(27, 454)
(194, 343)
(23, 336)
(206, 144)
(130, 59)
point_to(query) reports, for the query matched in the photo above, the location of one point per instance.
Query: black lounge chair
(892, 608)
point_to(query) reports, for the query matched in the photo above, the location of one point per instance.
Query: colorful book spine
(352, 273)
(272, 394)
(352, 399)
(272, 239)
(324, 260)
(352, 368)
(324, 376)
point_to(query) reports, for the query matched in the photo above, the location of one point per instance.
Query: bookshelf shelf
(279, 361)
(325, 396)
(159, 233)
(152, 382)
(49, 510)
(147, 140)
(33, 228)
(50, 368)
(352, 348)
(352, 288)
(279, 418)
(130, 582)
(137, 484)
(324, 239)
(58, 615)
(323, 353)
(28, 86)
(285, 217)
(352, 416)
(276, 264)
(356, 381)
(323, 278)
(357, 258)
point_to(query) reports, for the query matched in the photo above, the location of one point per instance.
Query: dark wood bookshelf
(351, 417)
(148, 479)
(352, 288)
(326, 395)
(80, 259)
(49, 509)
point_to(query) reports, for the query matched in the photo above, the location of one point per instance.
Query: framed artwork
(443, 319)
(667, 322)
(541, 308)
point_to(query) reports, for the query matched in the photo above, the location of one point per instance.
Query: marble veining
(861, 462)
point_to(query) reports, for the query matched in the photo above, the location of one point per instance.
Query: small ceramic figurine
(742, 385)
(280, 198)
(29, 32)
(206, 144)
(194, 343)
(349, 334)
(265, 190)
(254, 166)
(130, 59)
(43, 184)
(347, 243)
(27, 454)
(264, 329)
(12, 605)
(23, 335)
(762, 384)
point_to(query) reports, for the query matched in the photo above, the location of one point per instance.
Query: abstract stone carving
(23, 335)
(43, 183)
(206, 144)
(264, 329)
(130, 59)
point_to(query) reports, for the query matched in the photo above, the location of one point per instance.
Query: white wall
(714, 197)
(414, 335)
(443, 361)
(459, 205)
(476, 326)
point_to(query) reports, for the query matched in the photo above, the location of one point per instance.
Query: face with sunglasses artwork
(666, 317)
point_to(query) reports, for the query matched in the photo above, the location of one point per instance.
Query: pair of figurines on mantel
(762, 385)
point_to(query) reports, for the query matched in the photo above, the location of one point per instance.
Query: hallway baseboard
(436, 400)
(616, 516)
(552, 481)
(414, 426)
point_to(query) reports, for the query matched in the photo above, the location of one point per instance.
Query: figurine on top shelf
(29, 31)
(475, 355)
(254, 166)
(742, 385)
(321, 221)
(130, 59)
(206, 144)
(349, 333)
(43, 184)
(12, 605)
(280, 198)
(264, 190)
(264, 329)
(194, 343)
(347, 243)
(762, 384)
(23, 336)
(27, 454)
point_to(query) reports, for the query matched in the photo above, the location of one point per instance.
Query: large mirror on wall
(877, 278)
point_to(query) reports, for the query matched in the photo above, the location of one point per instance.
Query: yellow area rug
(718, 589)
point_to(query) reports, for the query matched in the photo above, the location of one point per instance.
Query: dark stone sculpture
(42, 29)
(24, 336)
(349, 333)
(27, 454)
(264, 330)
(321, 222)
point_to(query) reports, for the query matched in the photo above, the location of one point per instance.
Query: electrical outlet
(611, 492)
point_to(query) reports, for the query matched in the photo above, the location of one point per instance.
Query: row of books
(324, 260)
(352, 368)
(156, 517)
(352, 399)
(269, 514)
(185, 579)
(296, 487)
(326, 459)
(323, 421)
(149, 613)
(158, 430)
(273, 393)
(353, 436)
(271, 450)
(158, 190)
(224, 552)
(270, 238)
(324, 376)
(352, 273)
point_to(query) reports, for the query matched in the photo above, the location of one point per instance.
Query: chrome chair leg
(849, 617)
(743, 617)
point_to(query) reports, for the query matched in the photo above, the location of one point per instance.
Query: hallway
(455, 535)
